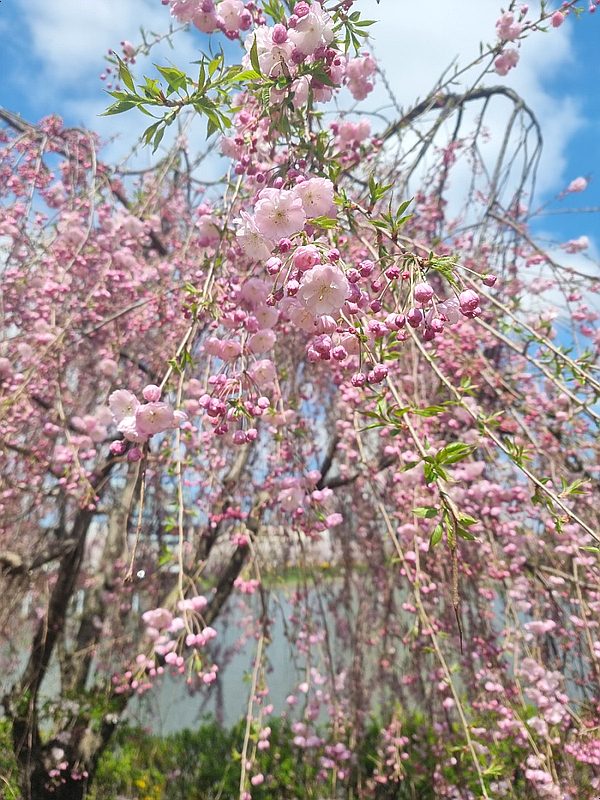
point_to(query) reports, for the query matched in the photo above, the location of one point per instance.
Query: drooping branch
(453, 101)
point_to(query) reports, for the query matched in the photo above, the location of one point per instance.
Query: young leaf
(254, 56)
(436, 536)
(425, 512)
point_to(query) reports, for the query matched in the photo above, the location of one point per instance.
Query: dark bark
(21, 704)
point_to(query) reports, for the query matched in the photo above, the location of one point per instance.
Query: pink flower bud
(326, 324)
(414, 317)
(366, 268)
(279, 34)
(468, 300)
(151, 393)
(423, 293)
(301, 9)
(134, 454)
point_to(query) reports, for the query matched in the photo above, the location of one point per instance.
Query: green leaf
(430, 411)
(247, 75)
(321, 76)
(149, 133)
(119, 108)
(215, 64)
(254, 56)
(425, 512)
(125, 76)
(323, 222)
(158, 139)
(176, 79)
(454, 452)
(436, 536)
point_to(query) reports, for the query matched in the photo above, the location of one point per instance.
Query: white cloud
(70, 37)
(414, 42)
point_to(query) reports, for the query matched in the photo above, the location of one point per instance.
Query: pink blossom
(230, 13)
(290, 498)
(306, 257)
(262, 341)
(254, 243)
(108, 368)
(230, 349)
(159, 618)
(122, 404)
(449, 308)
(183, 10)
(272, 55)
(354, 132)
(230, 148)
(179, 417)
(423, 293)
(577, 185)
(508, 30)
(506, 61)
(279, 213)
(358, 72)
(205, 21)
(209, 633)
(263, 372)
(316, 195)
(312, 30)
(468, 300)
(151, 393)
(128, 427)
(539, 627)
(153, 418)
(213, 346)
(254, 292)
(323, 290)
(300, 88)
(301, 316)
(208, 229)
(266, 317)
(576, 245)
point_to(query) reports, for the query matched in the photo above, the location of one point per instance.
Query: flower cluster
(228, 16)
(140, 421)
(506, 61)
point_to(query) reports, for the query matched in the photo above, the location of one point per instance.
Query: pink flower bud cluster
(170, 636)
(220, 413)
(246, 587)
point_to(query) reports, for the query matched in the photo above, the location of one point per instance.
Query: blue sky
(53, 56)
